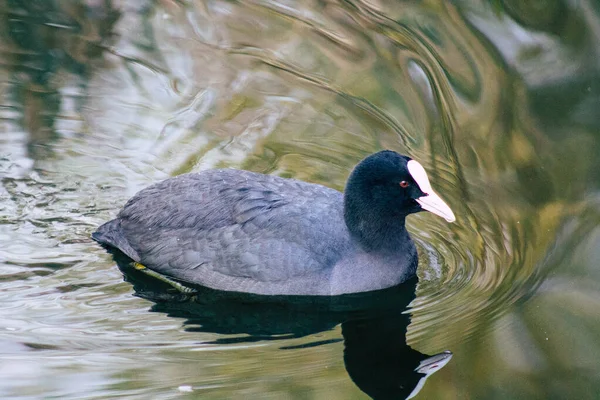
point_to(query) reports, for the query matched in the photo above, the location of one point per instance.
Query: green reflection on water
(499, 100)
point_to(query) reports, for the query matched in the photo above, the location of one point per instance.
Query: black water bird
(240, 231)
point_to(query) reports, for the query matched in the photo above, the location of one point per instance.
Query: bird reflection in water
(374, 326)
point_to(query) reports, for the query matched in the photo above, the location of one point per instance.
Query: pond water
(499, 100)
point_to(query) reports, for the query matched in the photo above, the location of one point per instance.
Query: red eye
(404, 184)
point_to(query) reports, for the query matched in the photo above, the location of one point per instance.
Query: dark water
(499, 100)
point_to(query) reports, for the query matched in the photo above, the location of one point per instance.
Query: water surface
(498, 100)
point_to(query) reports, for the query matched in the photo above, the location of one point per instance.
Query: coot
(241, 231)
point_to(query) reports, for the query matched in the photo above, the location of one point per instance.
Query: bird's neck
(375, 231)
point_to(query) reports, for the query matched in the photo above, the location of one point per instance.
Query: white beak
(431, 201)
(428, 367)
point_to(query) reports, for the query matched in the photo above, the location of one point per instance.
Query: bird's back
(235, 230)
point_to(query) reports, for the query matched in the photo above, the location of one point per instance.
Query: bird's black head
(382, 190)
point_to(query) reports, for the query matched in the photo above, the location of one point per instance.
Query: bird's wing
(227, 229)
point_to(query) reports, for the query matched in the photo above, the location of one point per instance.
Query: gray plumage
(242, 231)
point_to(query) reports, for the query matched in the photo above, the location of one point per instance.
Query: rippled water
(499, 100)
